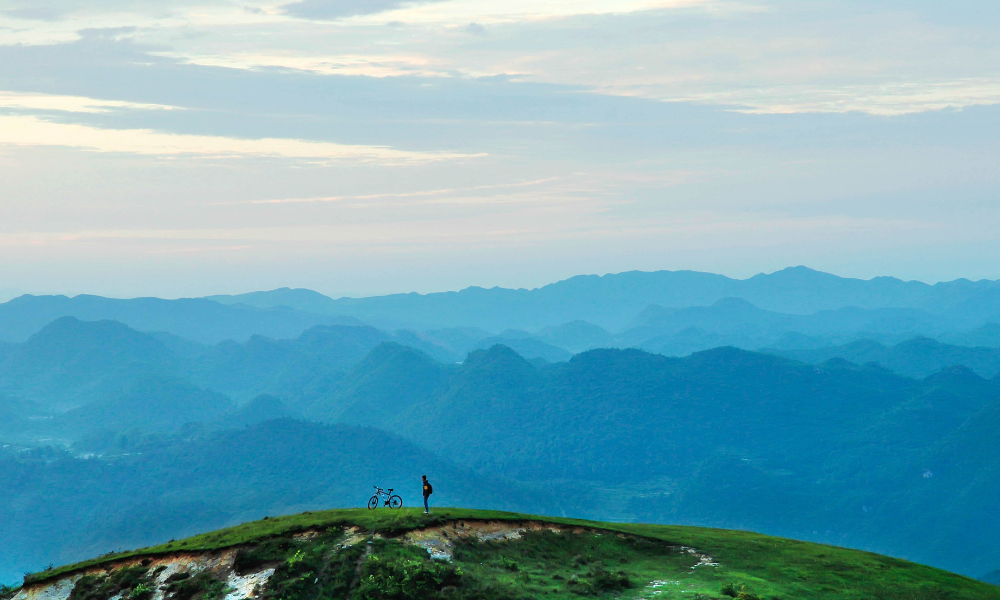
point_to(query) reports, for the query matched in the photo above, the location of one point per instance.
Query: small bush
(739, 592)
(7, 592)
(606, 581)
(141, 592)
(508, 564)
(599, 580)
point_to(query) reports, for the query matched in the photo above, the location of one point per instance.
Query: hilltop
(461, 553)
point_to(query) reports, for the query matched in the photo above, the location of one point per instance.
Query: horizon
(7, 295)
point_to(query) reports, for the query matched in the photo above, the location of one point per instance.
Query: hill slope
(456, 553)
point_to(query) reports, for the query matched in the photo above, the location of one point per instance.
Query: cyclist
(428, 490)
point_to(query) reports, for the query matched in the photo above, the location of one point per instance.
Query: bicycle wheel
(395, 502)
(373, 503)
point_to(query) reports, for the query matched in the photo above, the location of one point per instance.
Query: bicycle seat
(390, 489)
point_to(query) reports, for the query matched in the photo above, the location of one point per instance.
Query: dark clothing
(427, 508)
(428, 490)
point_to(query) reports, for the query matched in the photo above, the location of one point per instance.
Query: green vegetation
(582, 559)
(396, 572)
(201, 586)
(134, 582)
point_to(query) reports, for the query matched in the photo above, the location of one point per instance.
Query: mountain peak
(955, 374)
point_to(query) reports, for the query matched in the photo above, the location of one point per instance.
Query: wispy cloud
(437, 193)
(25, 130)
(379, 65)
(462, 12)
(79, 104)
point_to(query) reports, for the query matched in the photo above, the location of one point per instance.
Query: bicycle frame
(384, 498)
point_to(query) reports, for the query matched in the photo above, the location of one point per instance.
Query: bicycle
(390, 500)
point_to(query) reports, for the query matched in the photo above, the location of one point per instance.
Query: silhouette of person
(428, 490)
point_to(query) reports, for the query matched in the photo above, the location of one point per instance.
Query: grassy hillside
(579, 560)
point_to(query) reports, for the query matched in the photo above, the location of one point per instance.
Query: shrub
(600, 580)
(319, 570)
(508, 564)
(93, 587)
(7, 592)
(740, 593)
(404, 578)
(203, 586)
(141, 592)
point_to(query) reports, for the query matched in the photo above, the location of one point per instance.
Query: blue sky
(213, 146)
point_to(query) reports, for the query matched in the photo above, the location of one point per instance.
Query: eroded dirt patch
(438, 541)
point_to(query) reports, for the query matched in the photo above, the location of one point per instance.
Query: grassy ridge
(772, 567)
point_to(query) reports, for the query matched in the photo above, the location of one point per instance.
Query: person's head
(424, 477)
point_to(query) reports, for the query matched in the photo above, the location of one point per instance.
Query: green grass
(595, 563)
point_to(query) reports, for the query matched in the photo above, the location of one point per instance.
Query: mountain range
(866, 425)
(575, 314)
(612, 301)
(836, 452)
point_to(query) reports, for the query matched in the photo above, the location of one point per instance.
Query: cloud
(24, 130)
(337, 9)
(77, 104)
(53, 10)
(475, 28)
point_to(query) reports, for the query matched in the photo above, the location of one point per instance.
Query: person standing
(428, 490)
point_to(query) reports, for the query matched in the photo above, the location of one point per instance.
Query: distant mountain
(584, 305)
(611, 301)
(619, 415)
(263, 365)
(70, 361)
(264, 407)
(577, 336)
(195, 319)
(736, 322)
(299, 299)
(528, 347)
(151, 404)
(918, 357)
(986, 336)
(392, 378)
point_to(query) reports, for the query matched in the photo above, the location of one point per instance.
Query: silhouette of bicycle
(390, 500)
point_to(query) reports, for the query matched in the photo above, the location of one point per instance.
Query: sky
(192, 147)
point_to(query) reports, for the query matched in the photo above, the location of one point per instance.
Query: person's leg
(427, 507)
